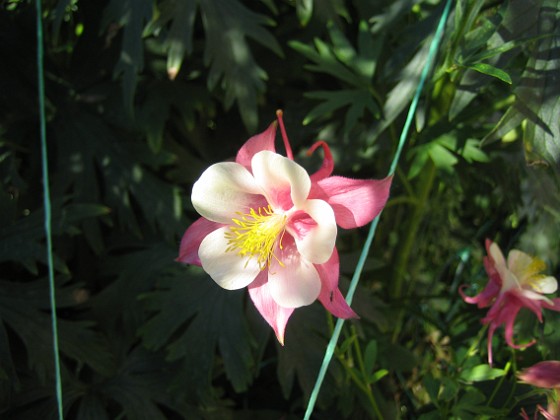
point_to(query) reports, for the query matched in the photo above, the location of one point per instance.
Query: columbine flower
(512, 285)
(544, 375)
(269, 225)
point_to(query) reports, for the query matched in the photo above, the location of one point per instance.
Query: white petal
(295, 284)
(508, 279)
(227, 269)
(223, 189)
(315, 242)
(281, 178)
(518, 262)
(496, 254)
(535, 296)
(544, 285)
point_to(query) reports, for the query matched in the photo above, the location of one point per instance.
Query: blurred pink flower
(540, 410)
(544, 375)
(512, 285)
(269, 225)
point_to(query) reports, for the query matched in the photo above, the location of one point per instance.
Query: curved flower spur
(269, 225)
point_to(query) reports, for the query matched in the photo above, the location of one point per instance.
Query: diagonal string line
(434, 46)
(47, 203)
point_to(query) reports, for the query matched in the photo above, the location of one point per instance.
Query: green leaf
(142, 385)
(215, 320)
(24, 308)
(23, 241)
(401, 94)
(370, 356)
(538, 104)
(508, 122)
(132, 15)
(378, 375)
(228, 24)
(396, 357)
(432, 386)
(92, 407)
(491, 71)
(181, 14)
(325, 61)
(357, 100)
(126, 181)
(443, 151)
(450, 388)
(481, 373)
(302, 354)
(304, 10)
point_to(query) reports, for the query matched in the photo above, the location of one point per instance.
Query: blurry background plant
(142, 95)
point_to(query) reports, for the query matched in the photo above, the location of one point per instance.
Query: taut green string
(47, 203)
(434, 46)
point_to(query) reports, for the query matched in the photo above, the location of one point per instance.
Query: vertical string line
(434, 46)
(47, 203)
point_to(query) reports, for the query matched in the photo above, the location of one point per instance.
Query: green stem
(501, 381)
(425, 187)
(473, 349)
(361, 365)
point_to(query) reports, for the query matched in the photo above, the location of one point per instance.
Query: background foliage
(142, 95)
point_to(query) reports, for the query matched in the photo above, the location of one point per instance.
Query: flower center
(255, 234)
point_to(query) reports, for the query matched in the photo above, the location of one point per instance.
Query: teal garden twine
(47, 203)
(365, 250)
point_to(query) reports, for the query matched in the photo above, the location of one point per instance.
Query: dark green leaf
(370, 356)
(302, 353)
(24, 308)
(215, 320)
(132, 15)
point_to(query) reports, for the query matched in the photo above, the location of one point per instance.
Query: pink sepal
(330, 296)
(192, 238)
(355, 202)
(276, 316)
(257, 143)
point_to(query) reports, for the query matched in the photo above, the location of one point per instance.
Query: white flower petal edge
(223, 189)
(275, 173)
(227, 269)
(295, 284)
(545, 285)
(535, 296)
(317, 244)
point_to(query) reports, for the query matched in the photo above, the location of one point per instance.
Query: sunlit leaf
(481, 373)
(125, 180)
(490, 70)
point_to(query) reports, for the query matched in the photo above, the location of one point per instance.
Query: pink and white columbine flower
(269, 225)
(513, 284)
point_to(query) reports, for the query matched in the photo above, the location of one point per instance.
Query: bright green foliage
(143, 95)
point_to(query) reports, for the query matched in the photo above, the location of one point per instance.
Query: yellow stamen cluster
(255, 234)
